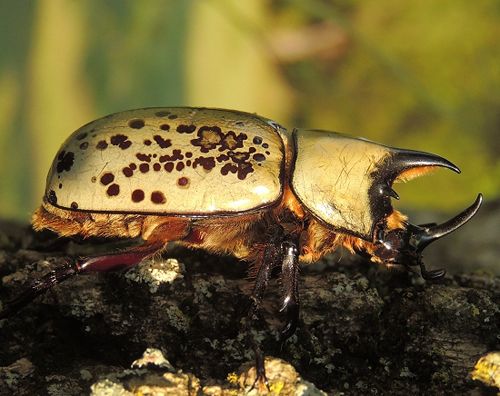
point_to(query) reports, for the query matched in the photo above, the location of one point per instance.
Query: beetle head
(404, 246)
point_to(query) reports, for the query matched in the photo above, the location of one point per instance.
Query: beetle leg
(37, 288)
(289, 275)
(269, 260)
(125, 259)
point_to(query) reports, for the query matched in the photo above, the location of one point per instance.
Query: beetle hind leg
(37, 288)
(115, 261)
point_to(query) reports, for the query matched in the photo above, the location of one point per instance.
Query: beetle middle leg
(268, 261)
(280, 250)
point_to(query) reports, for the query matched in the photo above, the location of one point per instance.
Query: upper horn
(402, 160)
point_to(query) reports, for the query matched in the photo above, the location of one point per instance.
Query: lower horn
(425, 236)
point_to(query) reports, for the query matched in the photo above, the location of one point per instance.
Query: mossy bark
(363, 329)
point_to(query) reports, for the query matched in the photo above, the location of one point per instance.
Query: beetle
(233, 182)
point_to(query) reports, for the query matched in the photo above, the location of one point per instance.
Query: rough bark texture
(363, 329)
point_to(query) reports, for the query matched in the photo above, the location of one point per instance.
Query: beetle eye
(389, 246)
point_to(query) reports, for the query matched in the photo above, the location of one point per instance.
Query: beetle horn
(423, 236)
(403, 161)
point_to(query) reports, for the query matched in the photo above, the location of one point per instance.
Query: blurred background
(419, 74)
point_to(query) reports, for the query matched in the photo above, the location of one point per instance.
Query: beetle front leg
(289, 277)
(125, 259)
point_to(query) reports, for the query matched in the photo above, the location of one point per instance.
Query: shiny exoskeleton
(233, 182)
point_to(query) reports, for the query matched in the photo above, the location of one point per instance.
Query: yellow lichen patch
(487, 369)
(232, 378)
(282, 377)
(152, 356)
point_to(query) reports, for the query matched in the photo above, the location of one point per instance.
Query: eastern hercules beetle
(232, 182)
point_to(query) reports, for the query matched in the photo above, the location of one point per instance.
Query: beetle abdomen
(170, 161)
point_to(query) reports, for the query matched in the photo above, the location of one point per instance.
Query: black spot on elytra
(156, 167)
(132, 166)
(172, 117)
(84, 146)
(60, 185)
(257, 140)
(259, 157)
(165, 127)
(136, 123)
(244, 169)
(176, 155)
(137, 195)
(208, 138)
(265, 145)
(82, 136)
(232, 142)
(239, 156)
(208, 163)
(120, 141)
(179, 166)
(189, 154)
(240, 123)
(143, 157)
(65, 161)
(157, 197)
(52, 197)
(127, 171)
(183, 181)
(107, 178)
(147, 142)
(163, 143)
(169, 166)
(113, 190)
(186, 128)
(222, 158)
(144, 167)
(101, 145)
(74, 205)
(228, 168)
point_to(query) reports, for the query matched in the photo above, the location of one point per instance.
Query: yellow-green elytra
(176, 161)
